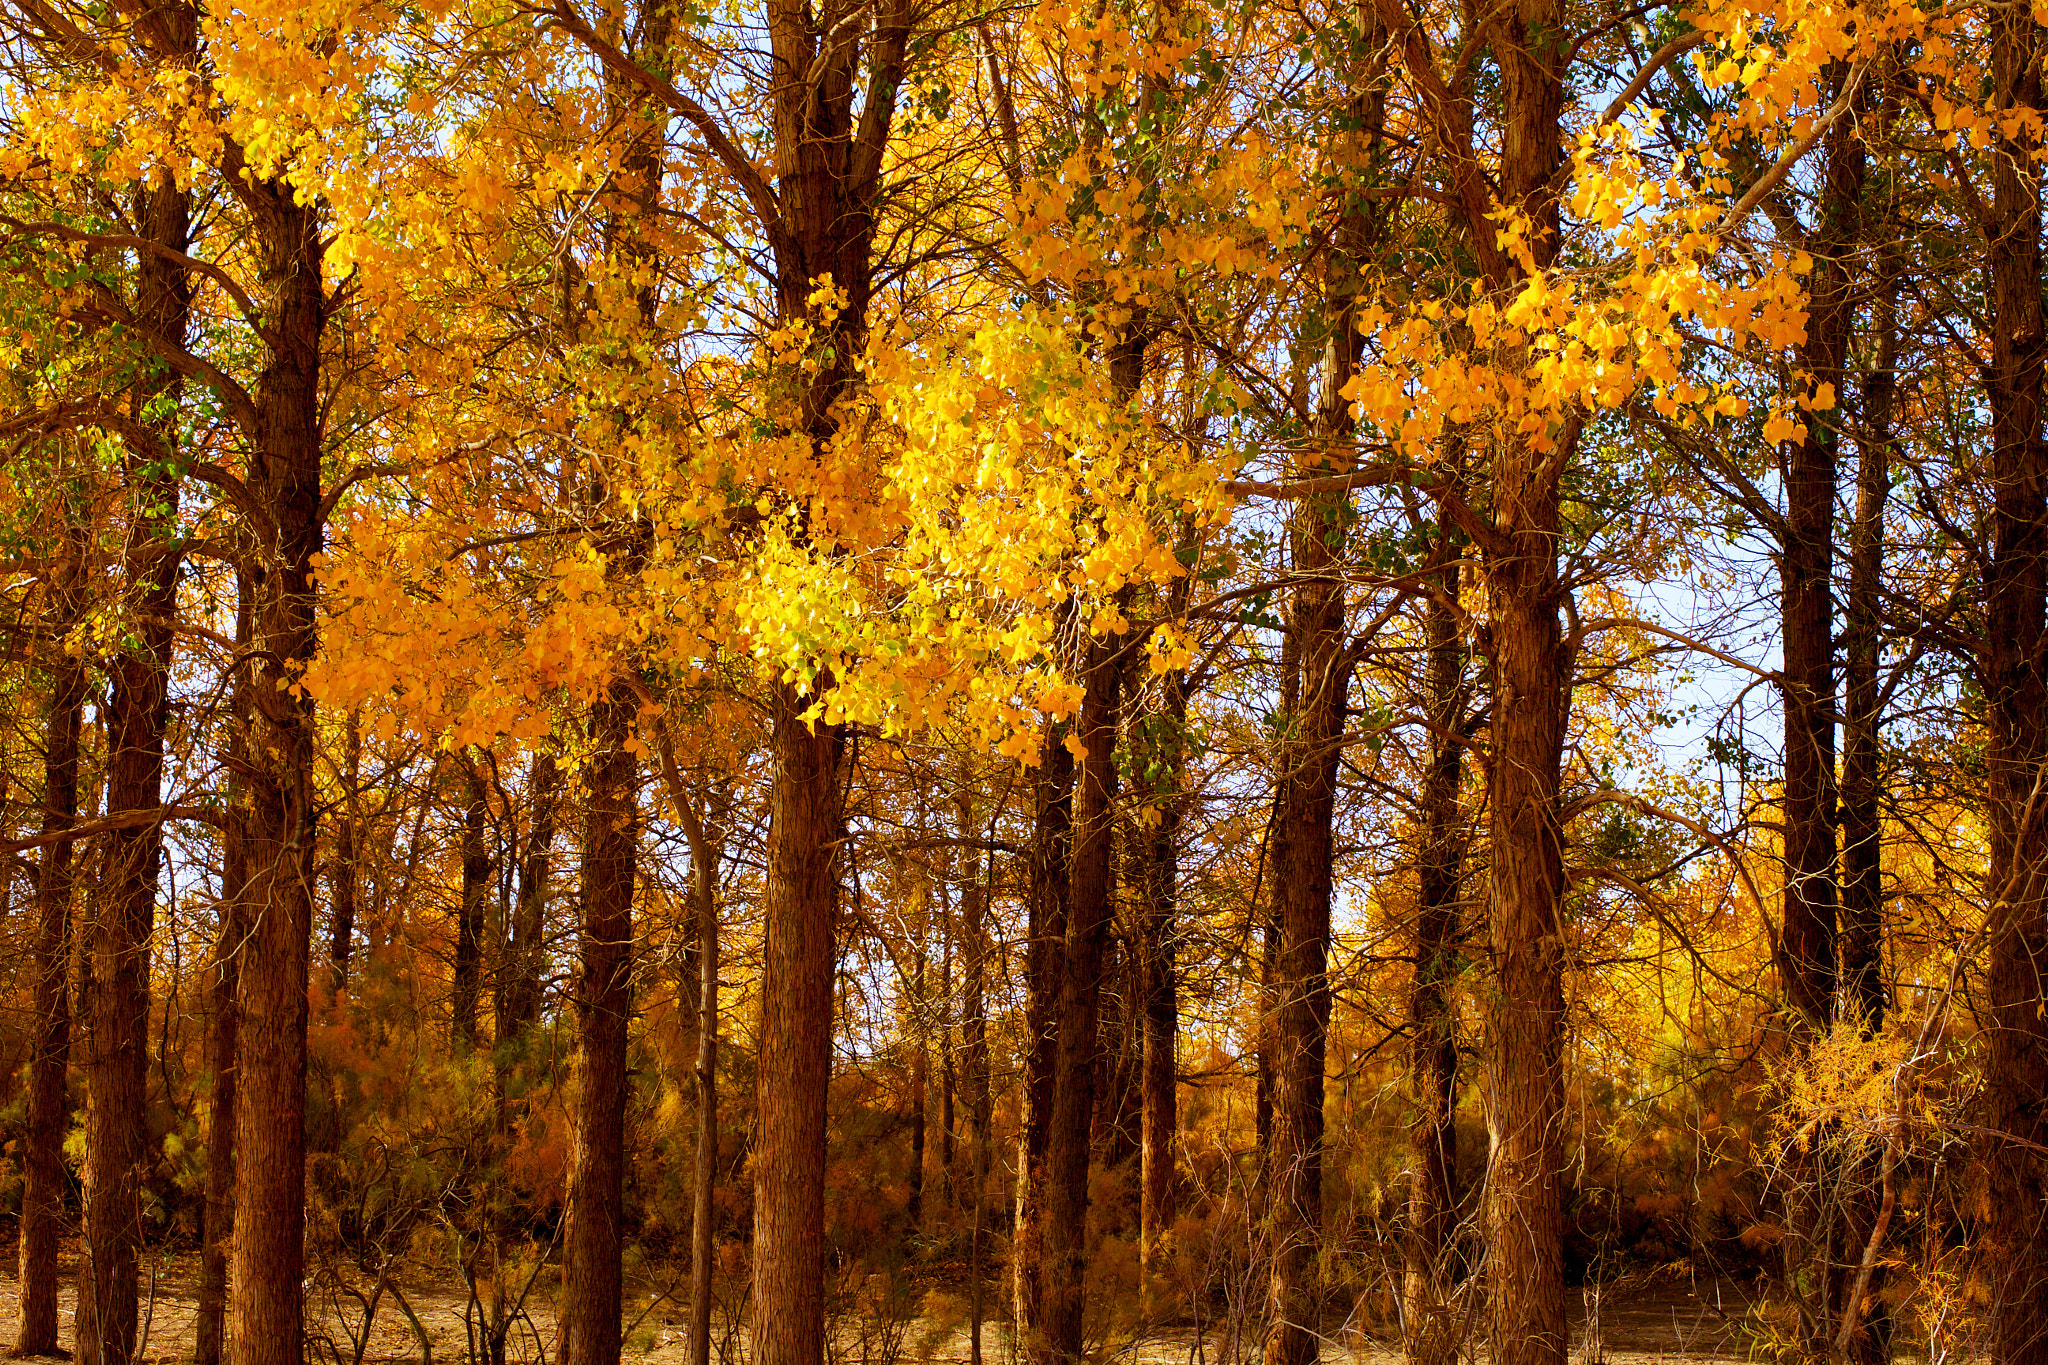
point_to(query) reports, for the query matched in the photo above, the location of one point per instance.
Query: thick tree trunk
(267, 1275)
(795, 1059)
(592, 1287)
(1430, 1329)
(42, 1194)
(1077, 1012)
(1045, 948)
(2015, 1238)
(1807, 936)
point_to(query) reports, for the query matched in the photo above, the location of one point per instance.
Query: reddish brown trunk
(920, 1079)
(795, 1060)
(267, 1274)
(1045, 935)
(1430, 1329)
(1158, 1186)
(2015, 1239)
(592, 1288)
(1077, 1014)
(705, 861)
(115, 1014)
(42, 1193)
(974, 1058)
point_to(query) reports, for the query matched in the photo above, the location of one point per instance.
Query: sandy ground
(1644, 1325)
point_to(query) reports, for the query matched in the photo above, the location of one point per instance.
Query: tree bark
(475, 901)
(2015, 1240)
(1159, 1124)
(1305, 806)
(795, 1059)
(1051, 873)
(42, 1195)
(1531, 698)
(705, 859)
(592, 1285)
(1077, 1013)
(267, 1274)
(518, 987)
(974, 1056)
(1430, 1331)
(344, 878)
(115, 1016)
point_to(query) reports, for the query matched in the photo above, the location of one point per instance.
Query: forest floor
(1643, 1325)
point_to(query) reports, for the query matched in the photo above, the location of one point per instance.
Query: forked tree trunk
(42, 1193)
(592, 1285)
(1430, 1330)
(2015, 1238)
(115, 1014)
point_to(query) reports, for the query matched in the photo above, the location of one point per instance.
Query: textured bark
(1531, 694)
(1077, 1011)
(795, 1060)
(223, 971)
(1045, 948)
(1862, 994)
(267, 1273)
(592, 1285)
(920, 1081)
(1158, 1183)
(1806, 566)
(114, 1016)
(474, 902)
(1304, 812)
(518, 985)
(2015, 1239)
(42, 1194)
(1431, 1331)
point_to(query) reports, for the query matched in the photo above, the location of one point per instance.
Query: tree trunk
(974, 1056)
(1304, 811)
(267, 1275)
(115, 1015)
(1159, 1121)
(42, 1193)
(476, 891)
(1531, 698)
(2015, 1240)
(1430, 1330)
(232, 927)
(701, 1268)
(1045, 949)
(592, 1287)
(795, 1060)
(1077, 1012)
(518, 984)
(344, 877)
(920, 1079)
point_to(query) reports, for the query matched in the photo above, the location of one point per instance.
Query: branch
(1659, 59)
(1768, 181)
(208, 815)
